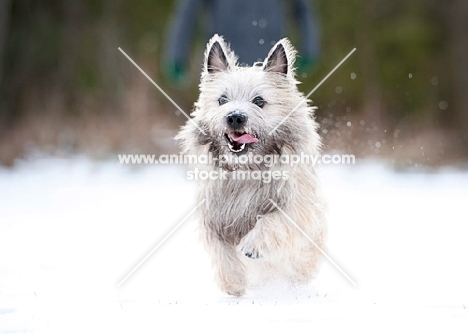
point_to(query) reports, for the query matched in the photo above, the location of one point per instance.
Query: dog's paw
(235, 292)
(251, 252)
(249, 246)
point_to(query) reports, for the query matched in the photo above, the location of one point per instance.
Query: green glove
(306, 65)
(176, 74)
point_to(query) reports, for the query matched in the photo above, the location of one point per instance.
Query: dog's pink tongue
(244, 139)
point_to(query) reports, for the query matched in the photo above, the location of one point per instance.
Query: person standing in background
(250, 26)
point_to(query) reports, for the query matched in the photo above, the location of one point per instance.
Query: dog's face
(244, 110)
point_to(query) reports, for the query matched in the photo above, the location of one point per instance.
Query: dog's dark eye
(259, 101)
(222, 100)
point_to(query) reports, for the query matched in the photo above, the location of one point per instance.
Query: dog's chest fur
(235, 206)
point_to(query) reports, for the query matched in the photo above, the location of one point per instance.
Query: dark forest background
(65, 88)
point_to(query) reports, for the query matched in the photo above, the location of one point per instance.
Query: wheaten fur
(238, 217)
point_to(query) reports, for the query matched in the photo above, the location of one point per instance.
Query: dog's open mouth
(237, 141)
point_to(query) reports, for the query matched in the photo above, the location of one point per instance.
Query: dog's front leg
(229, 270)
(270, 237)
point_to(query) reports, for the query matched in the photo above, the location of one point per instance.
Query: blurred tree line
(63, 81)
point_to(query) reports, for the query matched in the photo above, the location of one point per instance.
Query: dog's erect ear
(216, 55)
(280, 58)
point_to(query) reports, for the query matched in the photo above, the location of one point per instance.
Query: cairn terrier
(252, 227)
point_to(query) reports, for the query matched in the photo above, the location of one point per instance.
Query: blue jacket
(250, 26)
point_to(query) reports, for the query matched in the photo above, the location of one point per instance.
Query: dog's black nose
(236, 120)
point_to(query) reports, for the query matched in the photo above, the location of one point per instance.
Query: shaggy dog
(263, 216)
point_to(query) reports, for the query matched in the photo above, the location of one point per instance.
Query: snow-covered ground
(72, 229)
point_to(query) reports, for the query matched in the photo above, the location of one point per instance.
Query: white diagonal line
(160, 243)
(313, 242)
(313, 90)
(162, 91)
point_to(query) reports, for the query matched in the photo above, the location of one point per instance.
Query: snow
(72, 229)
